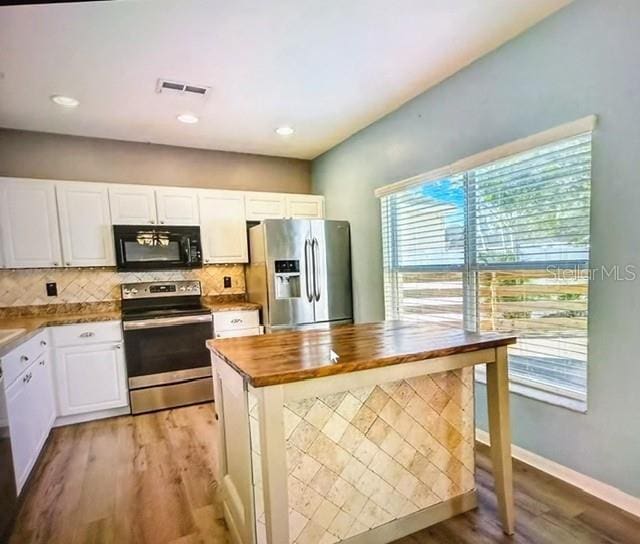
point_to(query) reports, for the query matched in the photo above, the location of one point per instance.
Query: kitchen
(242, 299)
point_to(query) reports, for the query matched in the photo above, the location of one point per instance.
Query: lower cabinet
(31, 410)
(91, 378)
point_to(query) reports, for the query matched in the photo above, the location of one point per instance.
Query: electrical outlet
(52, 289)
(227, 282)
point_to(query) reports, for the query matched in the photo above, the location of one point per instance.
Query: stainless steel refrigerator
(300, 272)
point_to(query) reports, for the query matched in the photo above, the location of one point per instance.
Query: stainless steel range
(165, 329)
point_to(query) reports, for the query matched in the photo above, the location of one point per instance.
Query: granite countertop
(230, 306)
(34, 324)
(288, 357)
(33, 318)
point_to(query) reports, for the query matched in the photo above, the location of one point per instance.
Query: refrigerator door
(331, 282)
(289, 273)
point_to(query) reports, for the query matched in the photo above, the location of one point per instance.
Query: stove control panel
(156, 289)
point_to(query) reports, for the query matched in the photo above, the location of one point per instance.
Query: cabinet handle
(41, 363)
(43, 343)
(118, 346)
(162, 222)
(87, 334)
(24, 358)
(68, 263)
(55, 264)
(25, 378)
(237, 320)
(151, 221)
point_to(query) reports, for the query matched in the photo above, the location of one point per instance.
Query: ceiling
(326, 68)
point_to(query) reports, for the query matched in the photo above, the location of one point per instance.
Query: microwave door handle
(306, 270)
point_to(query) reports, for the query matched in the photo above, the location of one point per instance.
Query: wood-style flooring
(149, 479)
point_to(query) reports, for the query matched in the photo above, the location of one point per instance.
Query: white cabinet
(23, 428)
(90, 378)
(223, 227)
(261, 206)
(85, 224)
(132, 205)
(236, 323)
(31, 411)
(177, 206)
(29, 224)
(283, 206)
(305, 206)
(145, 205)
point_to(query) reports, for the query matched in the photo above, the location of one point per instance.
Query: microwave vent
(166, 85)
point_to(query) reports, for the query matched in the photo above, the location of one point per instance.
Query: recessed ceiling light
(66, 101)
(284, 131)
(188, 118)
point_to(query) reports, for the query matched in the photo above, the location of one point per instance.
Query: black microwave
(141, 247)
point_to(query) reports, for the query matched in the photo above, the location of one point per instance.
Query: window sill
(575, 405)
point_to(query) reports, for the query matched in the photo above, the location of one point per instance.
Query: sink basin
(8, 334)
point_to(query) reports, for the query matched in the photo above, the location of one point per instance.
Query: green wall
(582, 60)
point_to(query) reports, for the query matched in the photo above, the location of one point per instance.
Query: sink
(8, 334)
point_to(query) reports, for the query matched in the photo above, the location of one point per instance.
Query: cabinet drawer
(87, 333)
(16, 361)
(255, 331)
(233, 321)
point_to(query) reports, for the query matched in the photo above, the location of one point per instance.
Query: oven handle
(165, 322)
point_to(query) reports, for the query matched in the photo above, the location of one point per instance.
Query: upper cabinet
(29, 224)
(85, 224)
(132, 205)
(261, 206)
(177, 206)
(145, 205)
(223, 227)
(305, 206)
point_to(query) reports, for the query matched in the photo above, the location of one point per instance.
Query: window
(501, 246)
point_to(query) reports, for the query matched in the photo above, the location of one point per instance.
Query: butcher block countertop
(294, 356)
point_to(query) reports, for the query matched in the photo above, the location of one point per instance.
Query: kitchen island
(360, 433)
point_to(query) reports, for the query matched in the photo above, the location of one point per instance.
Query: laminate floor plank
(149, 479)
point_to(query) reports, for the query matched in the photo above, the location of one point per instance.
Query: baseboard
(91, 416)
(596, 488)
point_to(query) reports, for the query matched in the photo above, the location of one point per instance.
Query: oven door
(167, 349)
(154, 248)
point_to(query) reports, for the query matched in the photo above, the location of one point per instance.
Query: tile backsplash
(26, 287)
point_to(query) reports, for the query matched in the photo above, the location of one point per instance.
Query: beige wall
(54, 156)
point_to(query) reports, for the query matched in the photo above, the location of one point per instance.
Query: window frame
(471, 268)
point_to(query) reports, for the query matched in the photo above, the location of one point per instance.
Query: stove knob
(189, 288)
(134, 291)
(182, 288)
(126, 291)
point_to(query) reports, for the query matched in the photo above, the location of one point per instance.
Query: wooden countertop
(288, 357)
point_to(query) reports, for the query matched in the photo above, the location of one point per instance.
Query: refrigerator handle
(306, 270)
(315, 245)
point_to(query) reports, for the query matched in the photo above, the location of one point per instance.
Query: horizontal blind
(514, 236)
(423, 247)
(533, 208)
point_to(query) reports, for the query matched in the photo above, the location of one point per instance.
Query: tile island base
(365, 456)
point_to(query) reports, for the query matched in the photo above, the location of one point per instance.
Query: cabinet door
(223, 227)
(85, 224)
(41, 386)
(132, 205)
(29, 224)
(177, 206)
(23, 427)
(261, 206)
(305, 206)
(90, 378)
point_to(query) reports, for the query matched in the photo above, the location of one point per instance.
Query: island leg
(500, 435)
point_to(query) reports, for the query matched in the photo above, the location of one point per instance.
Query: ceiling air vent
(166, 85)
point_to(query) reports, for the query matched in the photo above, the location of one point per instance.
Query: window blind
(501, 247)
